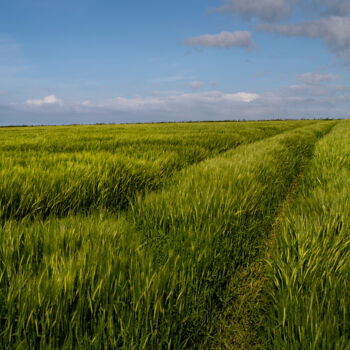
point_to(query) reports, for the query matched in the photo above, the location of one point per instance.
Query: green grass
(309, 267)
(157, 275)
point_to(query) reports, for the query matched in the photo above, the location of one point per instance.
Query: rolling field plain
(222, 235)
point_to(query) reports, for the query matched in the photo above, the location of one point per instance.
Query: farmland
(135, 236)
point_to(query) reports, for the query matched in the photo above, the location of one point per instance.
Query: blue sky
(138, 61)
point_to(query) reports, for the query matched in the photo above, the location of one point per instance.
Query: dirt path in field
(241, 324)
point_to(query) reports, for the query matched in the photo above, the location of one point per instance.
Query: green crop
(59, 171)
(309, 267)
(155, 275)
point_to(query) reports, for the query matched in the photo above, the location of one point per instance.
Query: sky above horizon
(72, 62)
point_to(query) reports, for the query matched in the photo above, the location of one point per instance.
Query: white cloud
(269, 10)
(48, 100)
(212, 98)
(242, 39)
(134, 104)
(170, 106)
(170, 79)
(314, 90)
(308, 100)
(86, 103)
(195, 84)
(246, 97)
(292, 101)
(333, 31)
(296, 101)
(316, 78)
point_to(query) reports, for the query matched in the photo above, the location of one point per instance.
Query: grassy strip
(156, 277)
(241, 325)
(78, 170)
(309, 269)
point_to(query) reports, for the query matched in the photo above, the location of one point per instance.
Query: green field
(222, 235)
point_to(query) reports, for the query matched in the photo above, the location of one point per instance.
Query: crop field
(217, 235)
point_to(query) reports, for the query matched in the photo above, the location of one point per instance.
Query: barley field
(216, 235)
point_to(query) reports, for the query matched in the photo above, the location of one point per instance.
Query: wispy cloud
(86, 103)
(170, 79)
(195, 84)
(241, 39)
(213, 98)
(48, 100)
(295, 101)
(268, 10)
(316, 78)
(166, 105)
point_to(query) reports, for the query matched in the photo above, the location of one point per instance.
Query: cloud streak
(173, 102)
(241, 39)
(195, 84)
(295, 101)
(268, 10)
(48, 100)
(316, 78)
